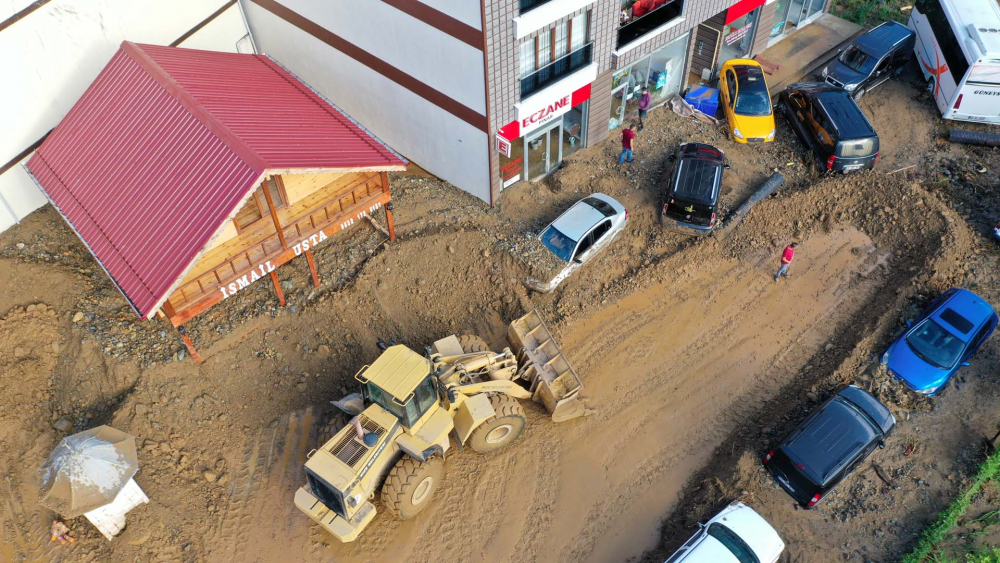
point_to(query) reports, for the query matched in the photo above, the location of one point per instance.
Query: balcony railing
(648, 22)
(528, 5)
(557, 70)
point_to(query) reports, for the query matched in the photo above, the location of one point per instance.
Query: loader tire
(471, 343)
(410, 485)
(338, 420)
(501, 429)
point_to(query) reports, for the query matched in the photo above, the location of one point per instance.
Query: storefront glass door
(737, 38)
(543, 150)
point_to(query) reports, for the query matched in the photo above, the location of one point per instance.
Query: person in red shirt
(786, 260)
(628, 137)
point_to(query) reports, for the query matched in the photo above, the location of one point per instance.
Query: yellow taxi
(746, 101)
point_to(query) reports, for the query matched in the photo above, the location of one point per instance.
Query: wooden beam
(190, 345)
(277, 225)
(277, 288)
(388, 207)
(312, 267)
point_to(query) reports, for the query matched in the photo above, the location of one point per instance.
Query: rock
(78, 317)
(20, 245)
(302, 386)
(828, 347)
(63, 424)
(55, 347)
(20, 351)
(210, 476)
(451, 249)
(323, 349)
(141, 409)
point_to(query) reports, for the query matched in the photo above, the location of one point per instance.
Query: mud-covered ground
(694, 358)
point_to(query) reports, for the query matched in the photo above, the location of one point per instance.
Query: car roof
(833, 435)
(968, 306)
(698, 178)
(581, 217)
(849, 120)
(880, 39)
(749, 78)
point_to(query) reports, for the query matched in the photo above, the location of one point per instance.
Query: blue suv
(940, 341)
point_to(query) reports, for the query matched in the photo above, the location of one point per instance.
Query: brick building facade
(492, 93)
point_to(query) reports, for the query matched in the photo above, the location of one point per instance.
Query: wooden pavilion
(191, 174)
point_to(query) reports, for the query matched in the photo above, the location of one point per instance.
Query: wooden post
(312, 267)
(277, 288)
(388, 207)
(190, 345)
(277, 225)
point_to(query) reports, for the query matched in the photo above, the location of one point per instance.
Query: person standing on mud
(628, 138)
(786, 260)
(645, 100)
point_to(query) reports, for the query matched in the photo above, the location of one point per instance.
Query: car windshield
(732, 542)
(934, 344)
(753, 103)
(560, 245)
(857, 60)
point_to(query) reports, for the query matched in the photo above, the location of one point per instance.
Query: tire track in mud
(699, 364)
(264, 484)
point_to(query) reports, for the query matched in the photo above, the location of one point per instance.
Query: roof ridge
(196, 108)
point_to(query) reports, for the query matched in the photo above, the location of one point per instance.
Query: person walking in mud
(786, 260)
(645, 100)
(627, 137)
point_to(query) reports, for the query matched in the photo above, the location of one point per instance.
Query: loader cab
(409, 413)
(400, 382)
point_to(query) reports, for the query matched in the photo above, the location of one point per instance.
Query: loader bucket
(553, 382)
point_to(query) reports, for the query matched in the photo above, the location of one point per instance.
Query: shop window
(639, 17)
(512, 168)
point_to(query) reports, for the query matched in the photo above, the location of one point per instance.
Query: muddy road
(692, 355)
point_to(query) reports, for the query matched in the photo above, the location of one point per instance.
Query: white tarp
(110, 518)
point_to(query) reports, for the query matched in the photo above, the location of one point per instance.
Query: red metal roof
(167, 143)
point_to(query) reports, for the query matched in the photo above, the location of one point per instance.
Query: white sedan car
(579, 234)
(735, 535)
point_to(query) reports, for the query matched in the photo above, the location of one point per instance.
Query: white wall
(465, 11)
(53, 54)
(433, 138)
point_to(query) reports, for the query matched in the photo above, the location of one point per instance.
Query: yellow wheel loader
(412, 409)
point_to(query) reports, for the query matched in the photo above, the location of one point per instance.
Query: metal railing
(528, 5)
(557, 70)
(648, 22)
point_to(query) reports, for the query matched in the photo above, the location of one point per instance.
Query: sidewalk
(808, 49)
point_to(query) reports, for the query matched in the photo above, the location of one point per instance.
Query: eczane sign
(550, 103)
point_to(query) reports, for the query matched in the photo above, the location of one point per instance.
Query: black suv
(872, 59)
(829, 122)
(830, 444)
(693, 194)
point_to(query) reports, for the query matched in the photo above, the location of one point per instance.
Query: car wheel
(898, 71)
(931, 84)
(859, 93)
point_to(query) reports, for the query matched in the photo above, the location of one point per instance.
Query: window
(256, 207)
(935, 345)
(732, 542)
(600, 205)
(639, 17)
(585, 245)
(884, 64)
(601, 230)
(558, 243)
(987, 75)
(981, 335)
(857, 60)
(731, 86)
(946, 40)
(554, 43)
(424, 397)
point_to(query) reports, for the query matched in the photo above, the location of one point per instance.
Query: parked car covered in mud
(873, 58)
(691, 202)
(735, 535)
(829, 122)
(940, 341)
(575, 237)
(830, 444)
